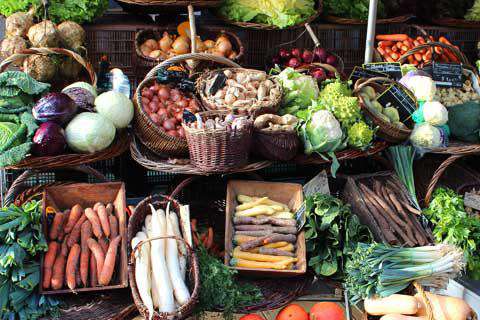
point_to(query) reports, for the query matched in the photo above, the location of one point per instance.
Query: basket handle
(312, 35)
(46, 51)
(321, 65)
(363, 82)
(19, 184)
(431, 46)
(428, 305)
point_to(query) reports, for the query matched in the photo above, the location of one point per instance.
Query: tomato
(292, 312)
(327, 311)
(252, 317)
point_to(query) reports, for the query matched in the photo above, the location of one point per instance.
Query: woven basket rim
(174, 3)
(347, 21)
(456, 23)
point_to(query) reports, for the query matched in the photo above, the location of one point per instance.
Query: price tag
(359, 72)
(396, 97)
(393, 69)
(447, 74)
(319, 184)
(472, 200)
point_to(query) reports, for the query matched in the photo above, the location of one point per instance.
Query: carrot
(193, 223)
(418, 56)
(407, 43)
(103, 244)
(384, 44)
(421, 40)
(74, 235)
(109, 265)
(86, 233)
(109, 208)
(103, 217)
(56, 225)
(389, 58)
(395, 49)
(438, 50)
(410, 59)
(391, 37)
(72, 262)
(451, 56)
(75, 214)
(93, 271)
(444, 40)
(416, 43)
(98, 253)
(113, 226)
(95, 221)
(381, 51)
(444, 58)
(416, 63)
(48, 263)
(431, 38)
(404, 48)
(96, 205)
(388, 50)
(394, 56)
(61, 231)
(58, 271)
(78, 277)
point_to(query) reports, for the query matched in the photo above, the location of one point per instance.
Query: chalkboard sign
(359, 72)
(397, 97)
(447, 74)
(393, 69)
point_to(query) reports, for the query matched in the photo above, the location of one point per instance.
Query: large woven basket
(271, 107)
(134, 225)
(146, 131)
(386, 130)
(275, 146)
(262, 26)
(219, 149)
(348, 21)
(456, 23)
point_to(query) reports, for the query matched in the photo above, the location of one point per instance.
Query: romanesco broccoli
(359, 135)
(336, 97)
(333, 91)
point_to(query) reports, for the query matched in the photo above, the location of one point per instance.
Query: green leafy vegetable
(353, 9)
(299, 90)
(21, 242)
(331, 232)
(14, 82)
(453, 225)
(219, 288)
(281, 13)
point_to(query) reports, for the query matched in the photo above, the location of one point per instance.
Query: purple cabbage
(49, 140)
(56, 107)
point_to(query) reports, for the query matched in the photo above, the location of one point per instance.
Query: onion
(153, 106)
(162, 111)
(223, 45)
(209, 44)
(166, 42)
(181, 132)
(172, 133)
(179, 116)
(200, 45)
(182, 103)
(169, 124)
(147, 94)
(180, 45)
(155, 118)
(145, 101)
(152, 44)
(164, 93)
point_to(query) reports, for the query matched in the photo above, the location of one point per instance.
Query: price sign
(393, 69)
(359, 72)
(447, 74)
(396, 97)
(319, 184)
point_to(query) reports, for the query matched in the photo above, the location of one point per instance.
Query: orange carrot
(109, 265)
(95, 221)
(415, 63)
(85, 255)
(451, 56)
(109, 208)
(384, 44)
(404, 48)
(418, 56)
(93, 271)
(381, 51)
(391, 37)
(96, 205)
(395, 49)
(421, 40)
(399, 44)
(72, 262)
(438, 50)
(103, 217)
(74, 236)
(394, 56)
(61, 231)
(48, 263)
(444, 40)
(389, 58)
(103, 244)
(416, 43)
(59, 267)
(388, 50)
(99, 255)
(113, 226)
(75, 214)
(410, 59)
(56, 225)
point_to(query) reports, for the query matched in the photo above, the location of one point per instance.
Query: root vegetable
(255, 211)
(394, 316)
(268, 239)
(71, 34)
(75, 214)
(74, 236)
(165, 43)
(259, 264)
(113, 226)
(96, 205)
(86, 233)
(98, 253)
(109, 264)
(44, 34)
(257, 233)
(444, 308)
(180, 45)
(95, 221)
(252, 204)
(104, 222)
(18, 24)
(58, 270)
(275, 252)
(143, 271)
(182, 249)
(265, 220)
(239, 238)
(93, 274)
(103, 244)
(72, 262)
(61, 232)
(151, 44)
(239, 254)
(396, 303)
(48, 263)
(57, 224)
(267, 227)
(12, 45)
(223, 45)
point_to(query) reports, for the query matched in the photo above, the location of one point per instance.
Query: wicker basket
(275, 146)
(219, 149)
(271, 107)
(386, 130)
(339, 20)
(58, 84)
(456, 23)
(134, 225)
(146, 131)
(261, 26)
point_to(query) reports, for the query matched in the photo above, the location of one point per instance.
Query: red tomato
(327, 311)
(292, 312)
(251, 317)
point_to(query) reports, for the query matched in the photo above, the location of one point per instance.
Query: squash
(396, 303)
(444, 308)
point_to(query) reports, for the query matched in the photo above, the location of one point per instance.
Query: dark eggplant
(49, 140)
(56, 107)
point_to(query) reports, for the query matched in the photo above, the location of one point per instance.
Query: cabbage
(422, 86)
(321, 133)
(89, 132)
(116, 107)
(424, 135)
(7, 130)
(83, 85)
(299, 90)
(435, 113)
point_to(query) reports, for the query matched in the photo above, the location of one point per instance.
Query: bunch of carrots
(205, 239)
(393, 46)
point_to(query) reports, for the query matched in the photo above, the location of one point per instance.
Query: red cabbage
(49, 140)
(56, 107)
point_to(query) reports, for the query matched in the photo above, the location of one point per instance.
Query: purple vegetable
(82, 97)
(331, 60)
(56, 107)
(49, 140)
(320, 54)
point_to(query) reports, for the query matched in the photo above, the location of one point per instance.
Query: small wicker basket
(386, 130)
(193, 273)
(218, 149)
(275, 146)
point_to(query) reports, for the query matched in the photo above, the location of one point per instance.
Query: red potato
(48, 262)
(98, 253)
(93, 274)
(103, 216)
(109, 264)
(57, 224)
(75, 214)
(95, 221)
(113, 226)
(59, 267)
(72, 262)
(74, 236)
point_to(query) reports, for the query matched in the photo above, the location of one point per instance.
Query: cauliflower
(435, 113)
(359, 135)
(427, 136)
(423, 87)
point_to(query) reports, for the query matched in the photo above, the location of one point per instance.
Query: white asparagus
(180, 290)
(148, 228)
(185, 223)
(182, 249)
(142, 271)
(166, 302)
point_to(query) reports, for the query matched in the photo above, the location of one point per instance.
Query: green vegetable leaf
(14, 82)
(15, 155)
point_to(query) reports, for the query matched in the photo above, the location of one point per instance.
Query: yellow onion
(166, 42)
(180, 45)
(223, 45)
